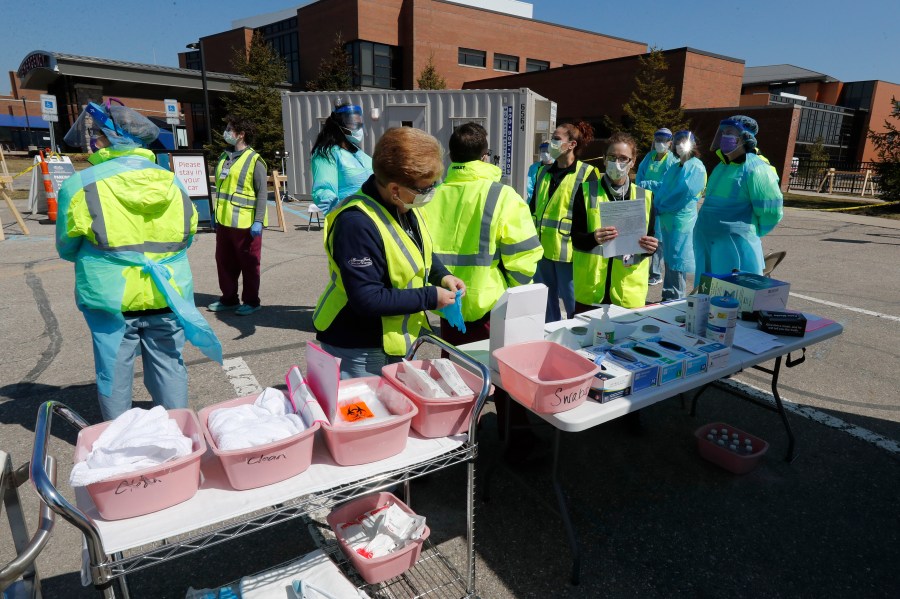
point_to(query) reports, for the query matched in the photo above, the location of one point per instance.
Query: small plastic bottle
(733, 447)
(725, 431)
(748, 448)
(721, 442)
(604, 328)
(714, 431)
(710, 437)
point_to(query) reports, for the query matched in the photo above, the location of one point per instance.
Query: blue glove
(256, 229)
(453, 313)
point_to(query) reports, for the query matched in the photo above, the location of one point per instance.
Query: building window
(505, 62)
(282, 36)
(532, 65)
(192, 60)
(374, 65)
(472, 58)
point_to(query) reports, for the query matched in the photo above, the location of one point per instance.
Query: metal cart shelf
(109, 569)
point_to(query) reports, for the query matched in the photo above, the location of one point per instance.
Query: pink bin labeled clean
(377, 569)
(354, 444)
(738, 463)
(545, 376)
(150, 489)
(264, 464)
(438, 417)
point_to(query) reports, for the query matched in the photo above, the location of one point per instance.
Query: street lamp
(199, 46)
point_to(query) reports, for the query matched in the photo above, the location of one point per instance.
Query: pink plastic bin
(151, 489)
(377, 569)
(353, 444)
(438, 417)
(264, 464)
(739, 463)
(545, 376)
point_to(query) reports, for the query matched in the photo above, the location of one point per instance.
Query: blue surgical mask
(229, 137)
(728, 143)
(355, 137)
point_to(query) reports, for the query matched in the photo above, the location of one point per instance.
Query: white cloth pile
(381, 531)
(270, 418)
(135, 440)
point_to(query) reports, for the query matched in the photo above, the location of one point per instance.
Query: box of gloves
(261, 439)
(141, 462)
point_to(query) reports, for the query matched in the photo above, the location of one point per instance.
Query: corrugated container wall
(516, 122)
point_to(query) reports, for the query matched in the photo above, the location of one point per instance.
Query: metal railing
(848, 177)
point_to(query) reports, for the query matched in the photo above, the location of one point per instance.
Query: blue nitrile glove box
(694, 363)
(644, 372)
(671, 368)
(717, 354)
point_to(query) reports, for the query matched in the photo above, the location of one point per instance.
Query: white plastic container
(723, 313)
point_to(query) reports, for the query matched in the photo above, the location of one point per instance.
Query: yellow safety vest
(475, 222)
(235, 194)
(628, 285)
(553, 215)
(408, 268)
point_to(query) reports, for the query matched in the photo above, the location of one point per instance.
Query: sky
(850, 41)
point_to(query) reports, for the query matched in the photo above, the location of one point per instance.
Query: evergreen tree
(651, 104)
(335, 70)
(887, 167)
(818, 154)
(429, 78)
(258, 99)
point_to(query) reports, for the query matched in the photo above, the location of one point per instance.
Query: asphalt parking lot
(655, 520)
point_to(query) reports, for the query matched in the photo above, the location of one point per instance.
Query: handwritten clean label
(136, 484)
(263, 458)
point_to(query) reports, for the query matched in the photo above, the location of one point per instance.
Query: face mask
(684, 148)
(660, 147)
(545, 158)
(555, 150)
(728, 143)
(355, 137)
(229, 137)
(422, 199)
(616, 171)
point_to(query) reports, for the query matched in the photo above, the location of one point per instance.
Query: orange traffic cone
(48, 190)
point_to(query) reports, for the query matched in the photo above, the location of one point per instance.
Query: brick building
(838, 113)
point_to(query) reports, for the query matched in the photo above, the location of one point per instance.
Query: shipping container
(517, 121)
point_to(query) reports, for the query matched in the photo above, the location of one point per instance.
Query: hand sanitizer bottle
(604, 328)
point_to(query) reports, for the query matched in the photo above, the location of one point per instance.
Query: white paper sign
(48, 105)
(171, 109)
(191, 171)
(630, 220)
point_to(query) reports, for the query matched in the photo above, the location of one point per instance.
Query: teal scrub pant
(159, 340)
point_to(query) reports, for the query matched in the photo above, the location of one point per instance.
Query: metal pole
(52, 139)
(174, 138)
(27, 123)
(205, 94)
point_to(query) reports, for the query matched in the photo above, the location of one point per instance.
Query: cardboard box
(694, 362)
(644, 373)
(671, 367)
(518, 316)
(754, 292)
(791, 324)
(717, 355)
(612, 382)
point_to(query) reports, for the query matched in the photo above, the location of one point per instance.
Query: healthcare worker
(126, 223)
(383, 274)
(675, 201)
(649, 175)
(242, 195)
(743, 203)
(339, 166)
(544, 159)
(619, 280)
(557, 189)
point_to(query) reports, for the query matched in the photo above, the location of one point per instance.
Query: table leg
(696, 397)
(789, 457)
(492, 465)
(564, 512)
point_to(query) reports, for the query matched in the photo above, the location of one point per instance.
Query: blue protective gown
(676, 206)
(338, 175)
(743, 203)
(650, 171)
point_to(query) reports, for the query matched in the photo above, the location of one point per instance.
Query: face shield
(742, 128)
(661, 140)
(545, 157)
(122, 126)
(684, 143)
(350, 120)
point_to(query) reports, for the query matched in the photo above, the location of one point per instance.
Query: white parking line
(846, 307)
(815, 415)
(240, 377)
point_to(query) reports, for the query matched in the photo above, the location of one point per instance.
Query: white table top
(591, 413)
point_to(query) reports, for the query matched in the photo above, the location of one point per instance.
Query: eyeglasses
(423, 190)
(619, 159)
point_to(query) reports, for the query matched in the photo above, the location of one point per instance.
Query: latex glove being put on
(256, 229)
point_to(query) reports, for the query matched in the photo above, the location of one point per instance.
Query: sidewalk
(834, 196)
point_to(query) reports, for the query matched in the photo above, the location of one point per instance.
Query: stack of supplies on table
(381, 531)
(270, 418)
(135, 440)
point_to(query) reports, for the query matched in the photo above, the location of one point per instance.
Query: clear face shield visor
(88, 127)
(350, 118)
(726, 127)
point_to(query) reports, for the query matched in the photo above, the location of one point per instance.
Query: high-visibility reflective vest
(475, 221)
(553, 215)
(125, 203)
(235, 193)
(408, 268)
(628, 285)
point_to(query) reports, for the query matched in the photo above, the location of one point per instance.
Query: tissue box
(612, 382)
(791, 324)
(754, 292)
(518, 317)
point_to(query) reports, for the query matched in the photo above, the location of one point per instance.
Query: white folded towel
(266, 420)
(135, 440)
